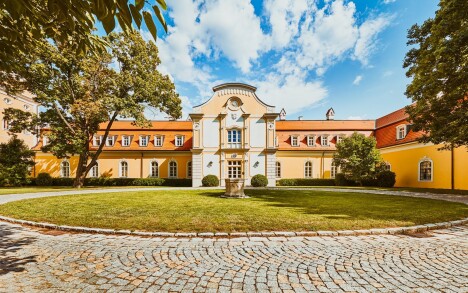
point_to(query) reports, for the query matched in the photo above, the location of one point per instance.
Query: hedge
(259, 181)
(103, 181)
(306, 182)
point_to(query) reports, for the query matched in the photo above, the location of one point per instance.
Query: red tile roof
(325, 125)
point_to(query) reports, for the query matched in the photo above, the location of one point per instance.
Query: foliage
(306, 182)
(25, 24)
(386, 179)
(340, 180)
(358, 157)
(259, 180)
(15, 161)
(210, 181)
(43, 179)
(82, 93)
(148, 182)
(438, 68)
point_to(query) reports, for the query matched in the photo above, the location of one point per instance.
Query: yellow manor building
(236, 135)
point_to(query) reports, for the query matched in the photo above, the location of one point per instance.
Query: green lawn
(266, 210)
(411, 189)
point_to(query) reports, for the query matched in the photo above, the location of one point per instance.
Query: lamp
(210, 164)
(256, 164)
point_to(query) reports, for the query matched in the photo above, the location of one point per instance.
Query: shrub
(340, 180)
(148, 182)
(259, 180)
(386, 179)
(369, 182)
(176, 182)
(62, 181)
(43, 179)
(306, 182)
(210, 181)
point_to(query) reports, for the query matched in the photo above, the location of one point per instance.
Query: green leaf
(139, 4)
(108, 23)
(160, 17)
(150, 24)
(162, 3)
(100, 9)
(136, 15)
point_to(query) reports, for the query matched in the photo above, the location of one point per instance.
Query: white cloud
(387, 73)
(388, 1)
(366, 42)
(357, 80)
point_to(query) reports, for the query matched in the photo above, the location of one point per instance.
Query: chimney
(282, 114)
(330, 114)
(299, 118)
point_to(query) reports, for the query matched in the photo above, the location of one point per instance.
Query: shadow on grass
(9, 248)
(357, 206)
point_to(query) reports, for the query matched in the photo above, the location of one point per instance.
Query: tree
(358, 157)
(25, 23)
(79, 93)
(15, 161)
(438, 66)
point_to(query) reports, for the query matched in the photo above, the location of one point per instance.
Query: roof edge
(231, 84)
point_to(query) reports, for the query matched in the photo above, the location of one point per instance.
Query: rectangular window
(110, 140)
(295, 141)
(179, 140)
(324, 140)
(234, 169)
(234, 139)
(339, 139)
(310, 140)
(332, 171)
(158, 140)
(144, 140)
(126, 140)
(97, 140)
(401, 132)
(278, 170)
(6, 124)
(95, 171)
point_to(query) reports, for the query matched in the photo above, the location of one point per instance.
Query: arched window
(123, 170)
(154, 169)
(172, 169)
(65, 169)
(278, 170)
(95, 170)
(425, 170)
(189, 169)
(308, 170)
(332, 170)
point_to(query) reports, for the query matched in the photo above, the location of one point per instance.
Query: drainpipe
(452, 157)
(141, 165)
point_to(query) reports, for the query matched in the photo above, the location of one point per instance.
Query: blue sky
(303, 55)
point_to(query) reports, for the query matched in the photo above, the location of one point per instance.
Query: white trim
(98, 173)
(175, 140)
(187, 169)
(389, 166)
(113, 140)
(327, 137)
(61, 169)
(313, 140)
(311, 171)
(151, 168)
(276, 169)
(155, 140)
(120, 168)
(401, 126)
(425, 159)
(297, 140)
(169, 169)
(147, 140)
(124, 138)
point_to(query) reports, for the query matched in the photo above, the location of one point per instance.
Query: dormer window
(401, 132)
(126, 139)
(339, 138)
(97, 139)
(7, 101)
(144, 140)
(158, 140)
(324, 141)
(295, 140)
(179, 140)
(110, 140)
(311, 140)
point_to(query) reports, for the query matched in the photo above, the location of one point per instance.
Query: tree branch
(63, 119)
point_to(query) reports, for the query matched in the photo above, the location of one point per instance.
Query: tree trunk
(81, 171)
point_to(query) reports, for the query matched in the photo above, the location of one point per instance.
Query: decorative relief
(196, 125)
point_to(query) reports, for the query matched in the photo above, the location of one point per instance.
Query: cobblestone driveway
(31, 260)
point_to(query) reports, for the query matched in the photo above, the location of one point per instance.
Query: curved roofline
(230, 84)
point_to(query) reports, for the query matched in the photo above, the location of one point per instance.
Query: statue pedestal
(234, 188)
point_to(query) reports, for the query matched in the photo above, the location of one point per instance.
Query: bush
(62, 181)
(386, 179)
(43, 179)
(148, 182)
(306, 182)
(210, 181)
(369, 182)
(259, 180)
(176, 182)
(340, 180)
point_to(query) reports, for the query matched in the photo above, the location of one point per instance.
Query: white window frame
(126, 140)
(95, 170)
(339, 138)
(121, 174)
(158, 140)
(179, 140)
(6, 124)
(97, 138)
(234, 138)
(306, 167)
(419, 169)
(333, 170)
(172, 168)
(398, 128)
(110, 137)
(151, 174)
(311, 140)
(62, 173)
(45, 140)
(324, 138)
(388, 166)
(278, 169)
(234, 169)
(295, 140)
(144, 138)
(189, 169)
